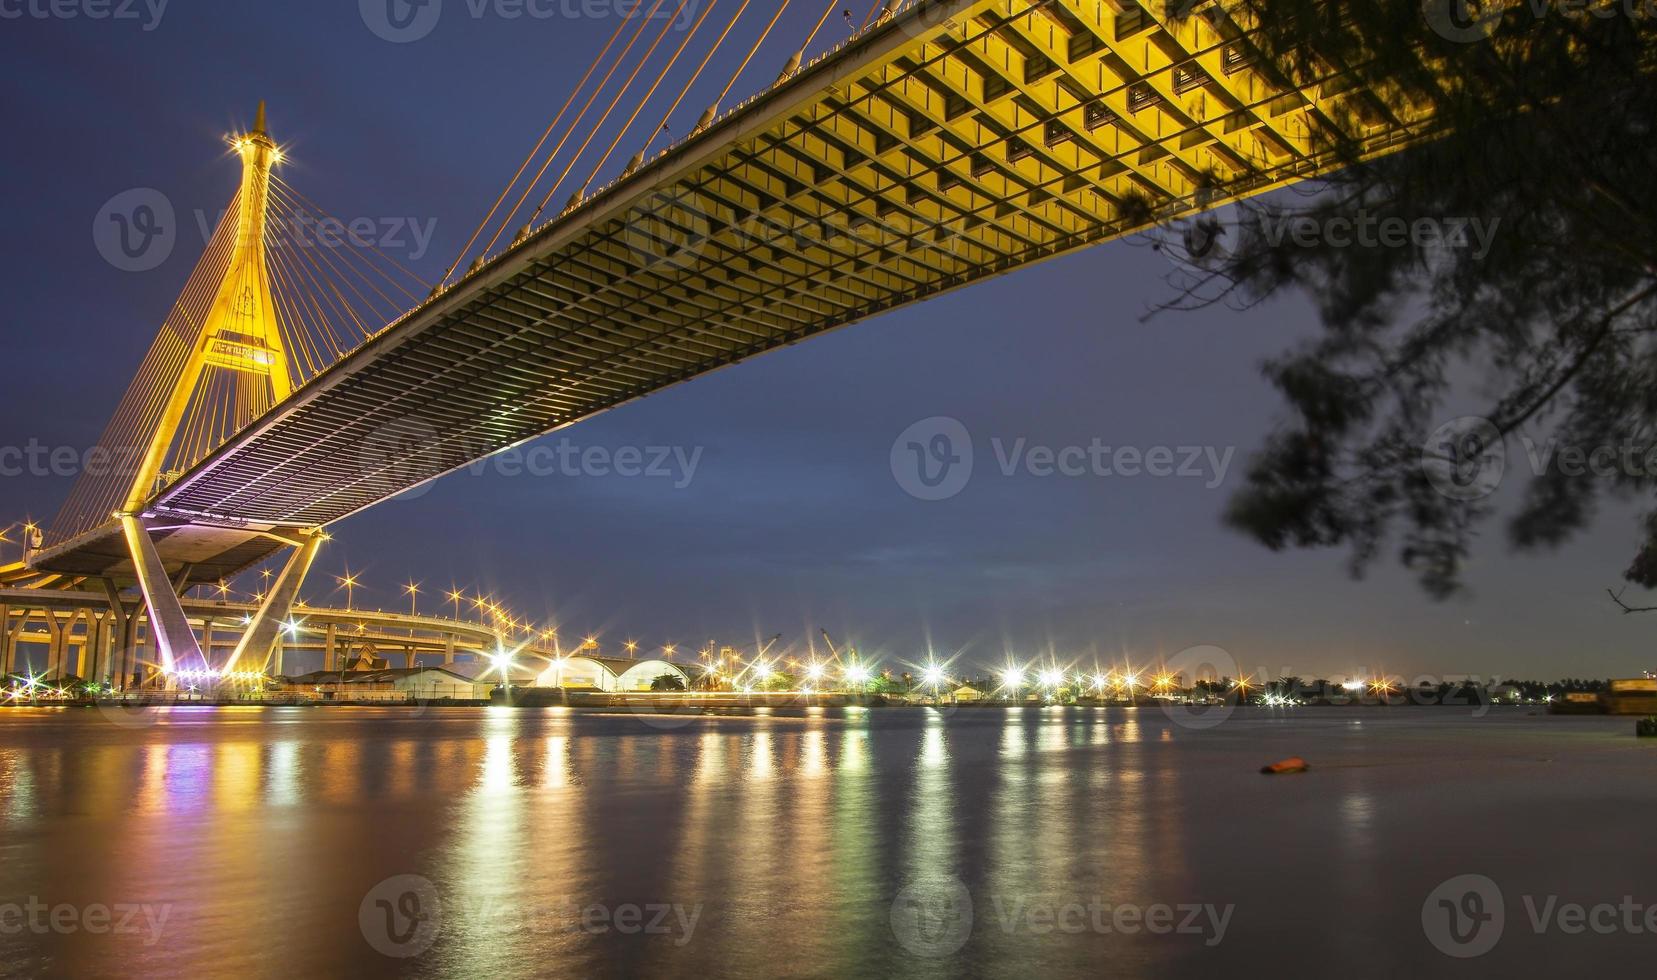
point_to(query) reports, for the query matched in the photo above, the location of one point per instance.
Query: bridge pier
(330, 655)
(175, 640)
(121, 625)
(54, 644)
(8, 649)
(262, 639)
(97, 646)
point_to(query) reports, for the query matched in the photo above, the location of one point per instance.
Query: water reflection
(780, 842)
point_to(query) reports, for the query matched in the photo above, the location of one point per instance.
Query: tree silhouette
(1438, 350)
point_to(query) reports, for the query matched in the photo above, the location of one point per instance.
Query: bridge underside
(956, 142)
(193, 554)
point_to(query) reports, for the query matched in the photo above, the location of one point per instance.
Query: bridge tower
(241, 336)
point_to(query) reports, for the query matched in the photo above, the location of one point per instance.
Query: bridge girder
(957, 141)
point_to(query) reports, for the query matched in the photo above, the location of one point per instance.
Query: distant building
(392, 685)
(967, 694)
(608, 674)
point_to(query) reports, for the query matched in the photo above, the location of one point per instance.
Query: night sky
(793, 519)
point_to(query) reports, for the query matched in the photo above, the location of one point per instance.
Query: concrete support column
(262, 638)
(207, 642)
(175, 640)
(276, 657)
(119, 626)
(97, 647)
(6, 646)
(330, 653)
(143, 648)
(74, 649)
(449, 650)
(56, 643)
(408, 657)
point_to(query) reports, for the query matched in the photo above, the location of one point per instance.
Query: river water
(978, 842)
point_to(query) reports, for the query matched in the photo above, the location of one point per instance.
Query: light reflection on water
(784, 845)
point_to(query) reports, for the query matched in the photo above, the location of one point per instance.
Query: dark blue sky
(793, 519)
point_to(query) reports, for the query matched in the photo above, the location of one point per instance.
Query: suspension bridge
(942, 143)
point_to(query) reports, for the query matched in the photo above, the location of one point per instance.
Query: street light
(455, 597)
(31, 536)
(413, 590)
(349, 583)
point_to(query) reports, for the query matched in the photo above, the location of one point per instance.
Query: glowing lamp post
(1012, 679)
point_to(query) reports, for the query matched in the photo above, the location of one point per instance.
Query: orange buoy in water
(1292, 764)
